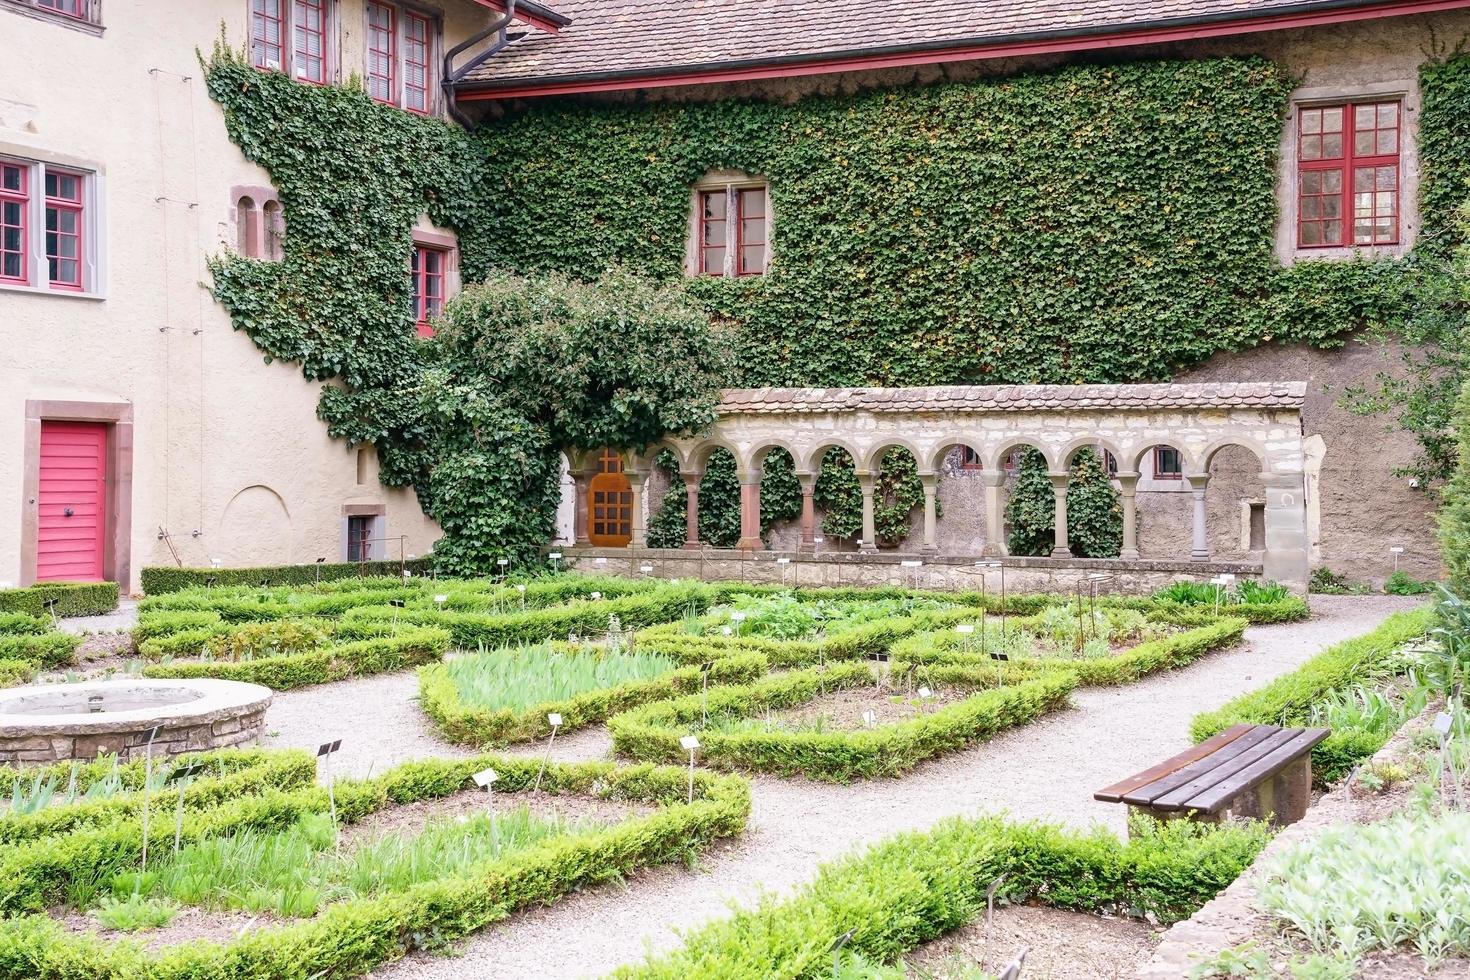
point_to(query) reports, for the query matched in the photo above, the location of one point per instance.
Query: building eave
(1324, 12)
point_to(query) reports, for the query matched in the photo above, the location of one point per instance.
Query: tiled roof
(1014, 398)
(612, 38)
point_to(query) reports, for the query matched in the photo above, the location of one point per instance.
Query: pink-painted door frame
(117, 477)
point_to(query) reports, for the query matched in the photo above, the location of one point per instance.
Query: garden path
(1046, 770)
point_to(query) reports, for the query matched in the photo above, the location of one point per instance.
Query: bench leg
(1282, 799)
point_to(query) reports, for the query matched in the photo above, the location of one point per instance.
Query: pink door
(72, 501)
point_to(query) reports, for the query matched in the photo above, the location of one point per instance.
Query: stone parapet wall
(836, 569)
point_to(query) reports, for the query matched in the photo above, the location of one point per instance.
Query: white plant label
(689, 743)
(520, 588)
(965, 629)
(441, 599)
(599, 561)
(554, 556)
(924, 692)
(597, 595)
(1396, 550)
(485, 777)
(726, 630)
(783, 561)
(1442, 722)
(645, 569)
(737, 617)
(912, 564)
(554, 720)
(869, 718)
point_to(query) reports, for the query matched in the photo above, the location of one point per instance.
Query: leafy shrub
(1327, 582)
(259, 639)
(1031, 511)
(1094, 515)
(72, 599)
(409, 647)
(916, 887)
(52, 649)
(1401, 583)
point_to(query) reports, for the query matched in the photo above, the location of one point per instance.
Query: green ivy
(1031, 508)
(838, 495)
(897, 494)
(1094, 516)
(668, 527)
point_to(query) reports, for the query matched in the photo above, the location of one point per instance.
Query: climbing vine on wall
(1031, 507)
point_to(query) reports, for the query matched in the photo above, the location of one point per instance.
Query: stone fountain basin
(56, 722)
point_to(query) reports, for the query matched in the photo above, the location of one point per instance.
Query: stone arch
(997, 461)
(765, 447)
(255, 529)
(874, 456)
(1088, 442)
(1136, 455)
(936, 458)
(1250, 446)
(651, 453)
(813, 460)
(698, 458)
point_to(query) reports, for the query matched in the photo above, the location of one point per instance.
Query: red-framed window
(309, 41)
(382, 67)
(15, 203)
(291, 35)
(750, 231)
(430, 267)
(418, 59)
(71, 8)
(64, 227)
(970, 460)
(1348, 164)
(360, 537)
(1168, 463)
(268, 34)
(714, 209)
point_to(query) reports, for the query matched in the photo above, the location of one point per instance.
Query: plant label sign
(1396, 550)
(965, 629)
(396, 603)
(646, 569)
(502, 562)
(327, 748)
(1442, 723)
(706, 667)
(186, 772)
(1000, 656)
(911, 564)
(151, 734)
(924, 692)
(783, 561)
(737, 617)
(485, 778)
(554, 720)
(869, 718)
(554, 555)
(689, 743)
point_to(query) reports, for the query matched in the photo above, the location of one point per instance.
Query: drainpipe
(451, 76)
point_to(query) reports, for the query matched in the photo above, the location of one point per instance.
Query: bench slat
(1218, 797)
(1184, 797)
(1246, 745)
(1116, 792)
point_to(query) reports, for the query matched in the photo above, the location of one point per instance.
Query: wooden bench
(1255, 771)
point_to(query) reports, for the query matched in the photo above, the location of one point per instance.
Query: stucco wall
(229, 456)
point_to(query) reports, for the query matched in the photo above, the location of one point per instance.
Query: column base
(1199, 556)
(929, 549)
(693, 546)
(750, 544)
(1128, 554)
(993, 551)
(583, 542)
(1061, 553)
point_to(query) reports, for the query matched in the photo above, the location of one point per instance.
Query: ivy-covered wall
(1096, 223)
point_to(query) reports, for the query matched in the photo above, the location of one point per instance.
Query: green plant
(897, 494)
(1256, 593)
(134, 912)
(838, 495)
(517, 678)
(1031, 508)
(1094, 516)
(163, 580)
(1327, 582)
(1401, 583)
(71, 599)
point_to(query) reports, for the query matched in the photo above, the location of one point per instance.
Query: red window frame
(58, 205)
(1160, 473)
(67, 8)
(970, 460)
(264, 13)
(750, 231)
(303, 13)
(1349, 174)
(418, 60)
(382, 66)
(17, 201)
(428, 285)
(713, 230)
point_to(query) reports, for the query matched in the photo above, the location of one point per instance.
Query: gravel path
(124, 617)
(1045, 770)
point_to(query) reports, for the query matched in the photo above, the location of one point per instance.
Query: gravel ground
(1045, 770)
(122, 618)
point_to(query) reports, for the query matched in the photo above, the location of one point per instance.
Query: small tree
(668, 528)
(1031, 510)
(1094, 516)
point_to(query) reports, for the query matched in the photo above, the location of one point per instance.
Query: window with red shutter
(1348, 174)
(382, 66)
(429, 267)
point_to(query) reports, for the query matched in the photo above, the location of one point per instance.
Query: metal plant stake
(554, 720)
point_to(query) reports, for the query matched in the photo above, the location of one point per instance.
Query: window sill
(1345, 253)
(61, 293)
(52, 17)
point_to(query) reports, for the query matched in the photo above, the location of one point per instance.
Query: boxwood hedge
(72, 599)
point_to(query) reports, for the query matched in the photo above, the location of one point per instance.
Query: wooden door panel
(72, 503)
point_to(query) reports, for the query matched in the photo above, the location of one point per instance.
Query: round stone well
(57, 722)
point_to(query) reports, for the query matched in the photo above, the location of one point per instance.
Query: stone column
(750, 512)
(637, 479)
(691, 510)
(1128, 502)
(580, 535)
(1059, 483)
(870, 530)
(995, 515)
(1200, 549)
(808, 483)
(1286, 558)
(931, 512)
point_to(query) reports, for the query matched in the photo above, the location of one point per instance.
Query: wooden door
(72, 504)
(610, 503)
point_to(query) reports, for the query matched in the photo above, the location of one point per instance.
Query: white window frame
(38, 274)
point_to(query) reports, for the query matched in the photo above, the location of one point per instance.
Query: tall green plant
(897, 494)
(668, 527)
(1094, 516)
(1031, 509)
(838, 495)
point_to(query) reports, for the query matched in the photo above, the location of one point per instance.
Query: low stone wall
(887, 568)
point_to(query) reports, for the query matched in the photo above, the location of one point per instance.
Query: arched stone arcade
(1191, 423)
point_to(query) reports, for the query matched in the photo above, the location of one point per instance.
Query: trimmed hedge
(409, 647)
(653, 731)
(916, 887)
(72, 599)
(163, 580)
(351, 937)
(1289, 699)
(53, 649)
(467, 724)
(233, 773)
